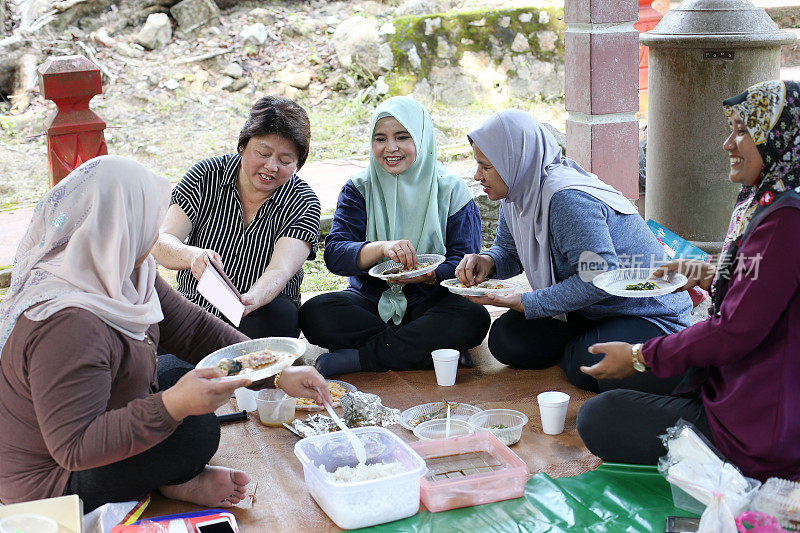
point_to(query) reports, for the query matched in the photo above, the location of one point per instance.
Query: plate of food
(489, 286)
(414, 416)
(391, 271)
(638, 282)
(256, 359)
(337, 389)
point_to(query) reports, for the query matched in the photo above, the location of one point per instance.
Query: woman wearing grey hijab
(560, 225)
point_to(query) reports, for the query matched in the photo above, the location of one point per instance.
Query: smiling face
(746, 161)
(268, 161)
(392, 146)
(493, 185)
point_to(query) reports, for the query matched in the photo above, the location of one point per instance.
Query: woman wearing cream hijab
(403, 204)
(86, 405)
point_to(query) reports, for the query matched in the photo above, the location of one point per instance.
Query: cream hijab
(82, 244)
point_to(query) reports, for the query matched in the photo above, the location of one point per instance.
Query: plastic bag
(694, 467)
(754, 522)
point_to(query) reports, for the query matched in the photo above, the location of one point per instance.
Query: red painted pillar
(601, 55)
(74, 132)
(648, 19)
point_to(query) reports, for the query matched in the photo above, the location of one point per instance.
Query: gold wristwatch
(636, 352)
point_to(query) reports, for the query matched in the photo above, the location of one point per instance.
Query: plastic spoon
(447, 424)
(358, 446)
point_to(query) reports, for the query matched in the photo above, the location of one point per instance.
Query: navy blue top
(348, 236)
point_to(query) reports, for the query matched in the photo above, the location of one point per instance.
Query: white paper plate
(505, 287)
(314, 407)
(461, 411)
(289, 347)
(615, 281)
(379, 270)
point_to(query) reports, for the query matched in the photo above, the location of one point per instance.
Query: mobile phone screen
(217, 527)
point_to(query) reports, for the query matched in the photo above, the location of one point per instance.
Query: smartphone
(215, 525)
(682, 524)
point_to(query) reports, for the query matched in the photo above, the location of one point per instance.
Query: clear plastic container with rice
(384, 489)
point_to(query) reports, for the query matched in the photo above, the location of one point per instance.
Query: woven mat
(267, 454)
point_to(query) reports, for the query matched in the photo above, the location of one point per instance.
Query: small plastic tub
(437, 429)
(362, 503)
(469, 470)
(505, 424)
(275, 407)
(28, 523)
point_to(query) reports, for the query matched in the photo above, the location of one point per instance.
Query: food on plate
(248, 362)
(485, 285)
(643, 286)
(400, 269)
(363, 472)
(438, 413)
(337, 391)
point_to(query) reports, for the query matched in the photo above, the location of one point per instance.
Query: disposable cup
(275, 407)
(245, 399)
(445, 363)
(28, 523)
(553, 410)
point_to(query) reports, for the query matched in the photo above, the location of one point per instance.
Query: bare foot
(216, 486)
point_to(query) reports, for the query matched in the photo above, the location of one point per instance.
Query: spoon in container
(358, 446)
(447, 423)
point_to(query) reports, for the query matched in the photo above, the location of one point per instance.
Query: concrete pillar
(74, 132)
(601, 49)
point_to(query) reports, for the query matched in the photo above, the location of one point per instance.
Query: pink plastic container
(469, 470)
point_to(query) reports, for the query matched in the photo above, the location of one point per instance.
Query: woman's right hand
(401, 251)
(197, 393)
(200, 262)
(700, 273)
(474, 269)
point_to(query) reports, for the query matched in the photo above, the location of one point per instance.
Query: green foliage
(319, 278)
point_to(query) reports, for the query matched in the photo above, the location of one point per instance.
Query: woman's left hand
(303, 382)
(512, 301)
(617, 363)
(429, 278)
(251, 302)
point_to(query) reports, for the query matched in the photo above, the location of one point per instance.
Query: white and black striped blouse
(209, 197)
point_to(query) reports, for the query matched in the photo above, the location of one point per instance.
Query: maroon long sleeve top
(77, 394)
(752, 352)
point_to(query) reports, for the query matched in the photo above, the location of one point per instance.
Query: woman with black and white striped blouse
(251, 213)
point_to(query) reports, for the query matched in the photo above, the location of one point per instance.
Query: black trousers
(175, 460)
(276, 319)
(346, 319)
(543, 342)
(624, 425)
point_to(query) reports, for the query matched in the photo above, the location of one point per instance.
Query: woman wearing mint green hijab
(403, 204)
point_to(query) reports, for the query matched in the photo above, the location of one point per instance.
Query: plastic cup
(245, 399)
(553, 409)
(28, 523)
(275, 407)
(445, 363)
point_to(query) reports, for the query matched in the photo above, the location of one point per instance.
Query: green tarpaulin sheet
(613, 498)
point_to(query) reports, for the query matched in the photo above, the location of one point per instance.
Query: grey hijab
(530, 162)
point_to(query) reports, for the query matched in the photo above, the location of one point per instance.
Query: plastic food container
(275, 407)
(437, 429)
(362, 503)
(781, 499)
(469, 470)
(513, 421)
(28, 523)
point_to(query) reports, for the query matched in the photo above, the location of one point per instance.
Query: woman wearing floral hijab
(404, 203)
(561, 226)
(743, 392)
(86, 406)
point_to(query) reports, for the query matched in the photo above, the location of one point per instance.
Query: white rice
(363, 472)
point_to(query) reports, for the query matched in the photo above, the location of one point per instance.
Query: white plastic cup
(553, 410)
(445, 363)
(28, 523)
(246, 399)
(275, 407)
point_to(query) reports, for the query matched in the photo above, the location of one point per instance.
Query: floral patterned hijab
(771, 113)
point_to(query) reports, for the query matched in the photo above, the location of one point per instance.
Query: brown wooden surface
(267, 454)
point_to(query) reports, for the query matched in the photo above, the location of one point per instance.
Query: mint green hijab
(413, 205)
